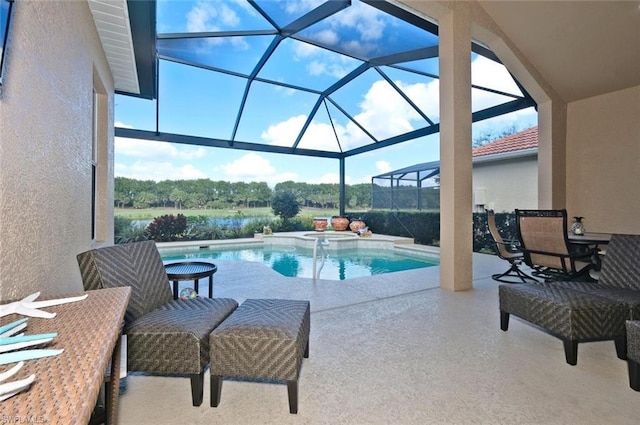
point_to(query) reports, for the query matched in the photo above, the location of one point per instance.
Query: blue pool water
(298, 262)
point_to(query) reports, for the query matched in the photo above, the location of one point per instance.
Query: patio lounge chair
(164, 336)
(507, 250)
(545, 245)
(580, 311)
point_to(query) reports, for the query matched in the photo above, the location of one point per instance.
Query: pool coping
(307, 239)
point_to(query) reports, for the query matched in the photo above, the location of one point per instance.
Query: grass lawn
(151, 213)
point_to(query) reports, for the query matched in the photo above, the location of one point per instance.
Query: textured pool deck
(397, 349)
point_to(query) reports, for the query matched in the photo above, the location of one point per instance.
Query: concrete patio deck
(396, 349)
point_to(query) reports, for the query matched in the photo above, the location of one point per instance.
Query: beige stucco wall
(45, 146)
(603, 161)
(508, 184)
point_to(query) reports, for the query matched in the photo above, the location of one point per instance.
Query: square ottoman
(262, 339)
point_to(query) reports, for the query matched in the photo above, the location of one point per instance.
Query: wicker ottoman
(262, 339)
(633, 353)
(570, 315)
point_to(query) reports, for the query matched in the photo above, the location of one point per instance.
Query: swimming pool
(297, 261)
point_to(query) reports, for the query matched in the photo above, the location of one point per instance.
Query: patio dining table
(590, 238)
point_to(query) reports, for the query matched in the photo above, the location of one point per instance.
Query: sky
(203, 105)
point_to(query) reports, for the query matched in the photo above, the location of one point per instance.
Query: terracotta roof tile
(526, 139)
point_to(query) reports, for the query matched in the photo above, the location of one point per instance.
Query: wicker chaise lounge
(164, 336)
(581, 311)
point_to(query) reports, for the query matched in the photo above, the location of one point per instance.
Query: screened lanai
(295, 77)
(413, 187)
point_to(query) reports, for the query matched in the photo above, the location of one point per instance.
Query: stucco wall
(603, 161)
(45, 146)
(508, 184)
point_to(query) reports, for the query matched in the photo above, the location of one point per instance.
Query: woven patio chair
(545, 245)
(507, 250)
(164, 336)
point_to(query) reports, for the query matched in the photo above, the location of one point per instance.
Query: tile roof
(525, 139)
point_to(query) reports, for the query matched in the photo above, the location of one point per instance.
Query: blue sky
(204, 104)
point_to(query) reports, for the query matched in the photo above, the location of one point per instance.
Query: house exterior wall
(506, 184)
(603, 161)
(54, 60)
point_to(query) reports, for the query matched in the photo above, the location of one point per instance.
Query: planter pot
(356, 225)
(339, 223)
(320, 224)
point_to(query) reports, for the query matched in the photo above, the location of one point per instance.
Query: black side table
(190, 270)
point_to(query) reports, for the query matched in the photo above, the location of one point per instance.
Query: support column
(552, 155)
(456, 220)
(343, 198)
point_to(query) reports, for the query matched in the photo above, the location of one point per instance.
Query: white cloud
(212, 17)
(366, 20)
(121, 124)
(252, 167)
(204, 15)
(249, 165)
(487, 73)
(383, 167)
(152, 150)
(384, 112)
(300, 6)
(149, 170)
(284, 132)
(303, 50)
(330, 178)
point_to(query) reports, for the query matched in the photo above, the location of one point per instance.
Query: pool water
(298, 262)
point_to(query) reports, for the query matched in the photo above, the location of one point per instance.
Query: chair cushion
(630, 297)
(137, 265)
(175, 337)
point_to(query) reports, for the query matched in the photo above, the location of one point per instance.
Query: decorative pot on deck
(339, 223)
(320, 224)
(356, 224)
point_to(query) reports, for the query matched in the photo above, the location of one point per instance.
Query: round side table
(190, 270)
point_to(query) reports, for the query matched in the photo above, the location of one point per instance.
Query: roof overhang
(522, 153)
(127, 33)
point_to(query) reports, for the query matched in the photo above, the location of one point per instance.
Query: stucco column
(552, 154)
(456, 222)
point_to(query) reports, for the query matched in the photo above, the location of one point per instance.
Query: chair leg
(197, 384)
(306, 350)
(514, 272)
(634, 375)
(504, 320)
(571, 351)
(216, 390)
(113, 386)
(621, 347)
(292, 389)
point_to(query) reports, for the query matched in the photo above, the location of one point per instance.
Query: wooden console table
(66, 387)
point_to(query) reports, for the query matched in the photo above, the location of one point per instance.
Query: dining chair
(507, 249)
(545, 245)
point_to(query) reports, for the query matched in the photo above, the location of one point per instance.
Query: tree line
(209, 194)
